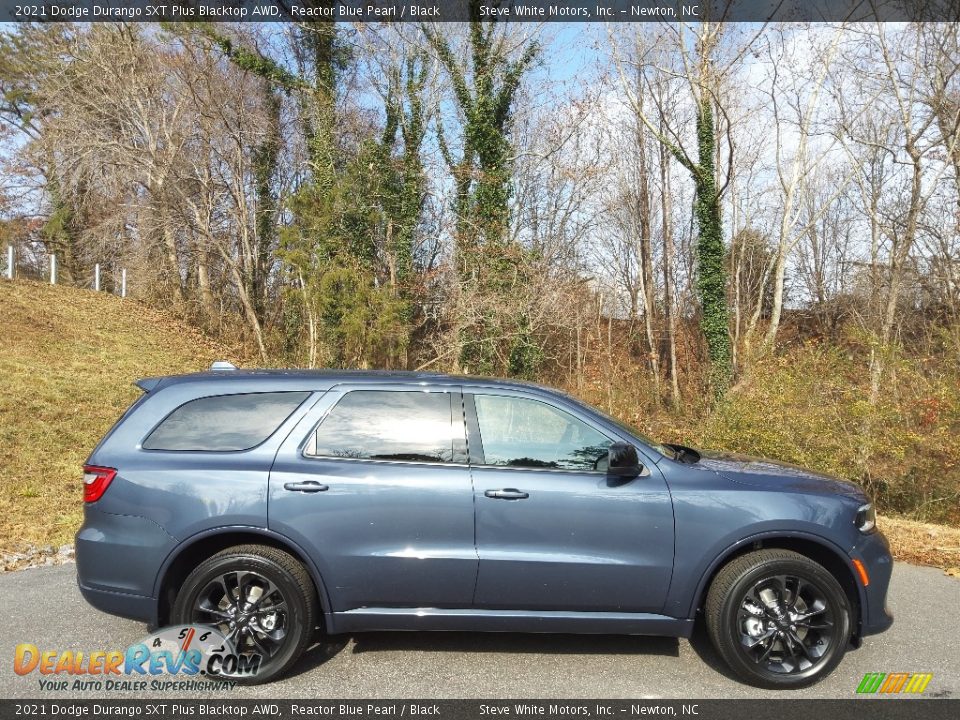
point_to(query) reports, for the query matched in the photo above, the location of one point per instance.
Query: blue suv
(276, 504)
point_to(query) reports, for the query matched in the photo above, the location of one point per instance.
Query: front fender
(715, 518)
(712, 566)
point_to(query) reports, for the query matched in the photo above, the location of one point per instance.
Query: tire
(279, 620)
(778, 619)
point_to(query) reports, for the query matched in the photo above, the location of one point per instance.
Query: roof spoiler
(148, 384)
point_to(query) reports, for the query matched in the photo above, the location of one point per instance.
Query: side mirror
(623, 462)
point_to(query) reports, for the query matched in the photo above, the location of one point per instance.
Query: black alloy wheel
(260, 598)
(247, 609)
(786, 624)
(779, 619)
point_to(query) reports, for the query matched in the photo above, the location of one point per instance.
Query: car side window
(221, 423)
(413, 426)
(519, 432)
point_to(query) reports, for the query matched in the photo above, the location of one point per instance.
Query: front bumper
(873, 551)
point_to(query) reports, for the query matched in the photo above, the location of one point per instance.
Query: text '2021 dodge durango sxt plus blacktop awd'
(274, 505)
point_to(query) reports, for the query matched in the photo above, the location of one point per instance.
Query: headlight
(866, 520)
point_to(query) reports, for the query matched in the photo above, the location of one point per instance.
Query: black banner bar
(789, 708)
(463, 10)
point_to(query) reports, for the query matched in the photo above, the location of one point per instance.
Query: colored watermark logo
(894, 683)
(183, 651)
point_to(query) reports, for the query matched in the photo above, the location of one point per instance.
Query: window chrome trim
(644, 470)
(438, 463)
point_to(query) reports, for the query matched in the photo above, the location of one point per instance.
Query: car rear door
(374, 484)
(553, 531)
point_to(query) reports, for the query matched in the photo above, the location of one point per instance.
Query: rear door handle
(307, 486)
(507, 494)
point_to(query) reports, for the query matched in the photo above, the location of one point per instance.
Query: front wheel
(779, 619)
(259, 598)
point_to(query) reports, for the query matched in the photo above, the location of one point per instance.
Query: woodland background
(735, 236)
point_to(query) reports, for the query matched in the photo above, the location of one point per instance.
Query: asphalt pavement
(42, 606)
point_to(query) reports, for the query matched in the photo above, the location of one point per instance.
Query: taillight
(96, 480)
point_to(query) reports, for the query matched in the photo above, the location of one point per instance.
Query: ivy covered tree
(711, 269)
(485, 82)
(702, 77)
(348, 250)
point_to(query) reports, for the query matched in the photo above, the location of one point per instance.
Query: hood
(777, 475)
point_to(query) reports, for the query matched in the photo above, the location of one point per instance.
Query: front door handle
(307, 486)
(507, 494)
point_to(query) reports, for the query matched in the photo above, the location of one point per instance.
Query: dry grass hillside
(68, 358)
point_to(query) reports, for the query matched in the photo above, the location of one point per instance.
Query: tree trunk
(711, 276)
(668, 274)
(265, 160)
(646, 257)
(779, 274)
(898, 260)
(169, 244)
(248, 310)
(207, 303)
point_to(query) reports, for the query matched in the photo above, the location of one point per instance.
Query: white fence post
(123, 283)
(53, 269)
(96, 277)
(9, 262)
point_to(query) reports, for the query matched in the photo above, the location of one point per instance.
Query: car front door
(374, 484)
(553, 531)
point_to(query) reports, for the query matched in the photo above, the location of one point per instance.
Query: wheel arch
(818, 549)
(199, 547)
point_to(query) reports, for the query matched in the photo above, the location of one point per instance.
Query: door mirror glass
(622, 461)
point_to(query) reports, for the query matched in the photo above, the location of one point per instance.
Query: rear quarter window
(222, 423)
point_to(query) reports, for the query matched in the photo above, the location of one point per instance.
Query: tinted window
(526, 433)
(224, 422)
(382, 425)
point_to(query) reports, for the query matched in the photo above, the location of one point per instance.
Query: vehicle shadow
(701, 645)
(547, 644)
(317, 654)
(464, 642)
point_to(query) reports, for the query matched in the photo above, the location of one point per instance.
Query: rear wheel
(259, 598)
(779, 619)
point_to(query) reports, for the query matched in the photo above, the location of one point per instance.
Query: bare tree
(794, 101)
(702, 62)
(901, 59)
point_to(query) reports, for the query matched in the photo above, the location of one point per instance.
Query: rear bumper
(874, 552)
(118, 558)
(134, 607)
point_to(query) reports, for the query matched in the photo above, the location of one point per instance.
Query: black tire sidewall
(297, 630)
(729, 633)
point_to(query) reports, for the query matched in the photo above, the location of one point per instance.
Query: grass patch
(67, 363)
(923, 543)
(808, 406)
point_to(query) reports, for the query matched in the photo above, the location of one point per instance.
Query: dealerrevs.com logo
(183, 657)
(894, 683)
